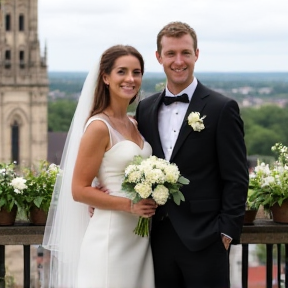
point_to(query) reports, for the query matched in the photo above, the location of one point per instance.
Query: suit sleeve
(233, 168)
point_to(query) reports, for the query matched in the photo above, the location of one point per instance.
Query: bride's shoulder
(98, 121)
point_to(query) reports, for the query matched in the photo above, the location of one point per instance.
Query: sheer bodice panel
(117, 157)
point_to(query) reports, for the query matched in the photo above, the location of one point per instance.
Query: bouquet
(152, 178)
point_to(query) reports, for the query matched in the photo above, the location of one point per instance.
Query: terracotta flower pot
(280, 213)
(249, 217)
(8, 218)
(37, 216)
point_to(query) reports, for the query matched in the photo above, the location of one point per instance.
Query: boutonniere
(195, 121)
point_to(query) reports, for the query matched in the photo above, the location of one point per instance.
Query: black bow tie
(182, 98)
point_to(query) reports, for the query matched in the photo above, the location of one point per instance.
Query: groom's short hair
(176, 29)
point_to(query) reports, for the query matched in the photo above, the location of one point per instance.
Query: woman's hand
(144, 208)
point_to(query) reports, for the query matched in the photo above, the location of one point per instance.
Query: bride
(101, 251)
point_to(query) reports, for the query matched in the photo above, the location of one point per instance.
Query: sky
(233, 35)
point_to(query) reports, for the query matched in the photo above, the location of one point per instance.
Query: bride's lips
(128, 88)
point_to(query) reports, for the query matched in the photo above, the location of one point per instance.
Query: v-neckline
(125, 139)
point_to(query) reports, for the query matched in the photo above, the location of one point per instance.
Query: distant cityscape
(248, 89)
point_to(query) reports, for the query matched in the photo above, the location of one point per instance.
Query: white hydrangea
(160, 194)
(18, 184)
(135, 176)
(130, 169)
(155, 176)
(171, 173)
(143, 189)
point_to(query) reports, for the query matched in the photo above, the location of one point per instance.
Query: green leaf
(37, 201)
(11, 204)
(181, 196)
(183, 180)
(176, 198)
(2, 202)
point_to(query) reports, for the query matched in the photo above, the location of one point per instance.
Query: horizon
(157, 72)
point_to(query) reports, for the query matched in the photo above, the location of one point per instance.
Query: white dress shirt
(170, 119)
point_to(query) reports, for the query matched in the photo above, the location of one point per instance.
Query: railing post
(245, 252)
(269, 265)
(286, 265)
(279, 265)
(26, 266)
(2, 266)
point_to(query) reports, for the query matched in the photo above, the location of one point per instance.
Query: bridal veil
(67, 219)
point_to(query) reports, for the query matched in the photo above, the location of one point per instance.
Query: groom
(190, 242)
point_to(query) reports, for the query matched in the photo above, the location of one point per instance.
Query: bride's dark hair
(107, 61)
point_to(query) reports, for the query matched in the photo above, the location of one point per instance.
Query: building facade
(23, 85)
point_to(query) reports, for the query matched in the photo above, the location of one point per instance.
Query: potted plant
(40, 182)
(12, 188)
(270, 185)
(251, 209)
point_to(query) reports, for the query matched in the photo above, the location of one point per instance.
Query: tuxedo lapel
(156, 142)
(196, 104)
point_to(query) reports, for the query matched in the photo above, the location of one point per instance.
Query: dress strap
(95, 118)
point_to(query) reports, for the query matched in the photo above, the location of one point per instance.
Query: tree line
(263, 126)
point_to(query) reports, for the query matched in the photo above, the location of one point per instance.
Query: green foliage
(264, 126)
(12, 187)
(8, 281)
(40, 184)
(60, 114)
(251, 204)
(269, 183)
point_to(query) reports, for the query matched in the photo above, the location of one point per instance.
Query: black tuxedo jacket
(214, 160)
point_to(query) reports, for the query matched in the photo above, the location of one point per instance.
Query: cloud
(78, 31)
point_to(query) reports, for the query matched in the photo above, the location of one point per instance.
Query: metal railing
(264, 231)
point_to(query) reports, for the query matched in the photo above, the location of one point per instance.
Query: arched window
(7, 59)
(21, 22)
(15, 142)
(21, 59)
(7, 22)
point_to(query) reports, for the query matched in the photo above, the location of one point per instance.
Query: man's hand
(90, 208)
(226, 241)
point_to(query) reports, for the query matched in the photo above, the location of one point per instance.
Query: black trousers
(177, 267)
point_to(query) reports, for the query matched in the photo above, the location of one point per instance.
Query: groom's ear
(158, 56)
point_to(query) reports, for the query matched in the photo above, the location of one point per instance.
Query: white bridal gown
(111, 255)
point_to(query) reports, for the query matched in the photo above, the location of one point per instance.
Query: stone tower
(23, 84)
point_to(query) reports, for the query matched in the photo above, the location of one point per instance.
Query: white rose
(193, 117)
(197, 126)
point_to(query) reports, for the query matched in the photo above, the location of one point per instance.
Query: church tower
(23, 84)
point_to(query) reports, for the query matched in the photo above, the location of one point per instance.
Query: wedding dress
(111, 255)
